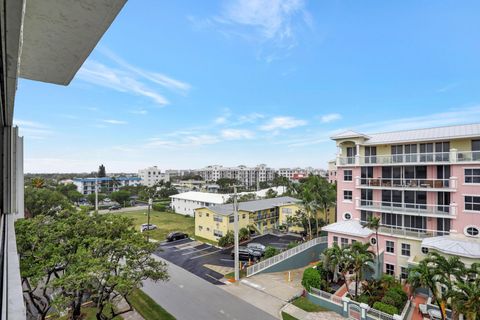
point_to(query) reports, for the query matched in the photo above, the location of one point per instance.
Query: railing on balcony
(405, 208)
(405, 183)
(467, 156)
(411, 232)
(404, 158)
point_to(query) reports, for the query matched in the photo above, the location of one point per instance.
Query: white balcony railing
(411, 232)
(468, 156)
(405, 158)
(406, 183)
(406, 208)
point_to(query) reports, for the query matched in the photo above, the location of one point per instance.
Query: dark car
(173, 236)
(115, 207)
(245, 253)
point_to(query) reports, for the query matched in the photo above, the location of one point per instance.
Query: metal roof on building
(459, 246)
(349, 227)
(428, 134)
(107, 179)
(252, 206)
(202, 197)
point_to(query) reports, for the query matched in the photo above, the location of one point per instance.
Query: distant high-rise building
(152, 175)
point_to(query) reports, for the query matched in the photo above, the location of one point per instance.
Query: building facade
(262, 215)
(86, 186)
(247, 176)
(152, 175)
(332, 171)
(424, 185)
(186, 203)
(295, 174)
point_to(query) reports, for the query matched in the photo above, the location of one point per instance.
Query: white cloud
(273, 19)
(155, 77)
(278, 123)
(113, 121)
(33, 129)
(139, 111)
(220, 120)
(250, 118)
(237, 134)
(99, 74)
(330, 117)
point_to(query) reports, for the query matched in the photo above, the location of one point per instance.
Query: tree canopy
(82, 257)
(101, 171)
(44, 201)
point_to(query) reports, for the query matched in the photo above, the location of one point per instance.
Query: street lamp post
(235, 230)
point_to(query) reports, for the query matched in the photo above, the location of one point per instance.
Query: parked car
(177, 235)
(257, 247)
(245, 253)
(115, 207)
(146, 226)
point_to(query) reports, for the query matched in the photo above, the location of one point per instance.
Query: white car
(146, 226)
(256, 246)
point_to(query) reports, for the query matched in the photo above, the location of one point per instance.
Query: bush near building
(270, 252)
(387, 308)
(311, 279)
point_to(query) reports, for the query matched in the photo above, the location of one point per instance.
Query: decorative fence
(267, 263)
(327, 295)
(343, 305)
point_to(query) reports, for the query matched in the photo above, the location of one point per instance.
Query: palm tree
(374, 224)
(309, 206)
(448, 271)
(38, 183)
(361, 258)
(338, 260)
(425, 275)
(466, 298)
(325, 193)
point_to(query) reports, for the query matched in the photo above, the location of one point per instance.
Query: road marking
(253, 285)
(210, 276)
(203, 255)
(196, 250)
(227, 260)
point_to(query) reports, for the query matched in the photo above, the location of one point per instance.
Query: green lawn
(166, 222)
(286, 316)
(305, 304)
(148, 308)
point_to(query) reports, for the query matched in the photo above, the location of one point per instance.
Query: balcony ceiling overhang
(58, 36)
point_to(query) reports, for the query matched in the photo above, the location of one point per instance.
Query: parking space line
(203, 255)
(195, 251)
(227, 260)
(210, 276)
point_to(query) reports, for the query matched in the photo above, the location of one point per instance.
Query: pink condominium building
(423, 184)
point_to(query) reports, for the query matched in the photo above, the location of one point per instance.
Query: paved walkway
(303, 315)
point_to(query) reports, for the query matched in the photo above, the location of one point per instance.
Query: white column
(453, 155)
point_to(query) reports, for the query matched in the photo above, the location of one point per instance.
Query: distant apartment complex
(332, 171)
(423, 184)
(152, 175)
(86, 186)
(247, 176)
(295, 174)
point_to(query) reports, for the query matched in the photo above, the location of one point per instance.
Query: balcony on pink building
(405, 183)
(427, 210)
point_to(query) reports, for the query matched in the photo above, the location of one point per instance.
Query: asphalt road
(188, 297)
(193, 256)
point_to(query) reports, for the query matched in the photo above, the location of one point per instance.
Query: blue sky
(185, 84)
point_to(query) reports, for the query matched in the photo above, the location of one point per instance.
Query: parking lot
(203, 259)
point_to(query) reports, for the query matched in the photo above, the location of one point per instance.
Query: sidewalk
(303, 315)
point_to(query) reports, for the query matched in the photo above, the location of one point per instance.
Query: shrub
(311, 279)
(363, 298)
(158, 207)
(387, 308)
(270, 252)
(292, 244)
(396, 297)
(243, 234)
(226, 240)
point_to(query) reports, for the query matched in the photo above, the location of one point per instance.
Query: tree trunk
(356, 284)
(316, 223)
(309, 226)
(378, 254)
(77, 306)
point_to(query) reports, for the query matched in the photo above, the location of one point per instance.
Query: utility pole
(96, 195)
(150, 201)
(235, 231)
